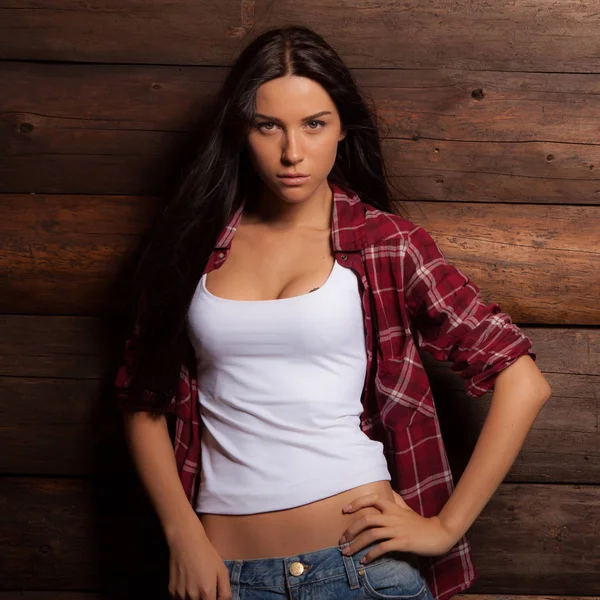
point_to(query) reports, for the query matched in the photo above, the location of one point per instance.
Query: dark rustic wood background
(490, 117)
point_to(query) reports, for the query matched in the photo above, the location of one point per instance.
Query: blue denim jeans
(327, 574)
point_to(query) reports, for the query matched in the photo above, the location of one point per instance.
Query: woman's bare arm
(195, 568)
(152, 453)
(520, 392)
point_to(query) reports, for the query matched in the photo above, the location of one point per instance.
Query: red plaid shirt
(411, 297)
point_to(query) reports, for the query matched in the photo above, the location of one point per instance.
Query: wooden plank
(59, 426)
(531, 258)
(58, 418)
(72, 255)
(76, 274)
(56, 347)
(69, 256)
(80, 535)
(50, 595)
(123, 129)
(510, 172)
(155, 31)
(539, 539)
(529, 539)
(469, 106)
(47, 529)
(535, 36)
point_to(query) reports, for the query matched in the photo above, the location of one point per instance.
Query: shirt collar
(347, 226)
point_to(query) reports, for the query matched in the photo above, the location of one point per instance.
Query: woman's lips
(293, 180)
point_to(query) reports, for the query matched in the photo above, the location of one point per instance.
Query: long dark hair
(180, 244)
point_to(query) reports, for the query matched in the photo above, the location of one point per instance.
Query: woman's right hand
(196, 570)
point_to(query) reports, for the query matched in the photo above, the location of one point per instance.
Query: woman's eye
(263, 125)
(318, 123)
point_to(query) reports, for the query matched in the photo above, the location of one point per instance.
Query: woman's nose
(291, 149)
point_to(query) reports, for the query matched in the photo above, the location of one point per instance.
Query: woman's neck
(268, 209)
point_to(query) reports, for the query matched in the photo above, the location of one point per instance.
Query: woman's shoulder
(384, 227)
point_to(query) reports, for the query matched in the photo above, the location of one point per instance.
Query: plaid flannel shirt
(412, 297)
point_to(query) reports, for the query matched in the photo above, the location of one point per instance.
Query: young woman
(279, 306)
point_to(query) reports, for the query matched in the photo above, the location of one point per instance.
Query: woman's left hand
(403, 529)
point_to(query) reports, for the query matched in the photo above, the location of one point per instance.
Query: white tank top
(279, 385)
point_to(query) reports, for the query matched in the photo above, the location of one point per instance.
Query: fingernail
(342, 540)
(347, 508)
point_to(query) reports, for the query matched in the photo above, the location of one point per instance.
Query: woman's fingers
(367, 538)
(223, 586)
(369, 500)
(365, 522)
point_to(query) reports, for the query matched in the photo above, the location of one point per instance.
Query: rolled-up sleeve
(451, 321)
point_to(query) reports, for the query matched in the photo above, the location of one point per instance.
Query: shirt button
(343, 257)
(296, 568)
(221, 254)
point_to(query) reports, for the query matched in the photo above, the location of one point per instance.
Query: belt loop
(236, 572)
(350, 568)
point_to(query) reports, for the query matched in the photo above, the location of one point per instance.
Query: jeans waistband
(298, 569)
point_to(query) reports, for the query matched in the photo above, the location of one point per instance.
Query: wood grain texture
(522, 36)
(538, 537)
(89, 535)
(153, 32)
(76, 252)
(47, 527)
(50, 595)
(56, 427)
(71, 255)
(448, 135)
(56, 347)
(541, 263)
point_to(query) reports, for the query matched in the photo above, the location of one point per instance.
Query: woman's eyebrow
(275, 119)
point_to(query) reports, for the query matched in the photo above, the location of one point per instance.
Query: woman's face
(296, 130)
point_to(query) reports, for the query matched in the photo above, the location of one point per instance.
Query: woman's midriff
(303, 528)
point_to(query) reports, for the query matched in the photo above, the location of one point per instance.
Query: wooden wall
(490, 118)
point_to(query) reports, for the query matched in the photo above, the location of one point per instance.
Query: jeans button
(296, 568)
